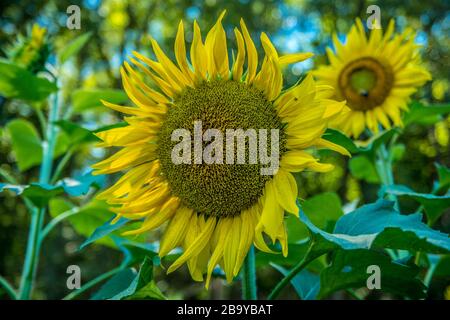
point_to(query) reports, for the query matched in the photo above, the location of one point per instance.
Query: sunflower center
(365, 83)
(220, 189)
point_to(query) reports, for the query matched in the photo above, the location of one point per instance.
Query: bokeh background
(119, 27)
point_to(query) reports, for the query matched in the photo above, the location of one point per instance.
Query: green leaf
(444, 177)
(425, 115)
(115, 285)
(74, 47)
(397, 152)
(86, 221)
(379, 225)
(85, 99)
(341, 139)
(142, 286)
(362, 168)
(76, 134)
(323, 210)
(434, 205)
(26, 143)
(305, 283)
(18, 83)
(59, 205)
(348, 269)
(104, 230)
(40, 194)
(135, 252)
(368, 148)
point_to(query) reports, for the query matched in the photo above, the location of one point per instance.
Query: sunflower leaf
(142, 286)
(349, 269)
(426, 115)
(74, 47)
(115, 285)
(379, 225)
(19, 83)
(76, 133)
(434, 205)
(368, 149)
(27, 144)
(305, 283)
(104, 230)
(323, 210)
(444, 178)
(86, 99)
(362, 168)
(40, 193)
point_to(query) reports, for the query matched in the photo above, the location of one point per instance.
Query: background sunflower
(376, 75)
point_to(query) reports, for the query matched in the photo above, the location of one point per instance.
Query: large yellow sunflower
(376, 75)
(215, 212)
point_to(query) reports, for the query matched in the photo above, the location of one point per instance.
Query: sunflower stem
(307, 258)
(383, 164)
(37, 214)
(248, 277)
(8, 288)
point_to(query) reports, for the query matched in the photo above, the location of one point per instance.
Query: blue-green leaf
(40, 193)
(104, 230)
(142, 286)
(434, 205)
(379, 225)
(305, 283)
(115, 285)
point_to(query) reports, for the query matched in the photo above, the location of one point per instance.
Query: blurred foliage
(111, 30)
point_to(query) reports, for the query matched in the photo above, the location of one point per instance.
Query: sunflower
(376, 75)
(215, 212)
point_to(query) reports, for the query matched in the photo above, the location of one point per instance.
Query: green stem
(92, 283)
(307, 258)
(54, 222)
(248, 277)
(37, 218)
(62, 163)
(383, 165)
(8, 288)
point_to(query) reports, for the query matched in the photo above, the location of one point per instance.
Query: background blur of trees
(119, 27)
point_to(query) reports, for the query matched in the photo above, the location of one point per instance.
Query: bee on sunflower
(376, 75)
(215, 212)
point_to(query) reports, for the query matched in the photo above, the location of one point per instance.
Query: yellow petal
(180, 53)
(294, 58)
(175, 231)
(239, 63)
(286, 191)
(252, 58)
(197, 246)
